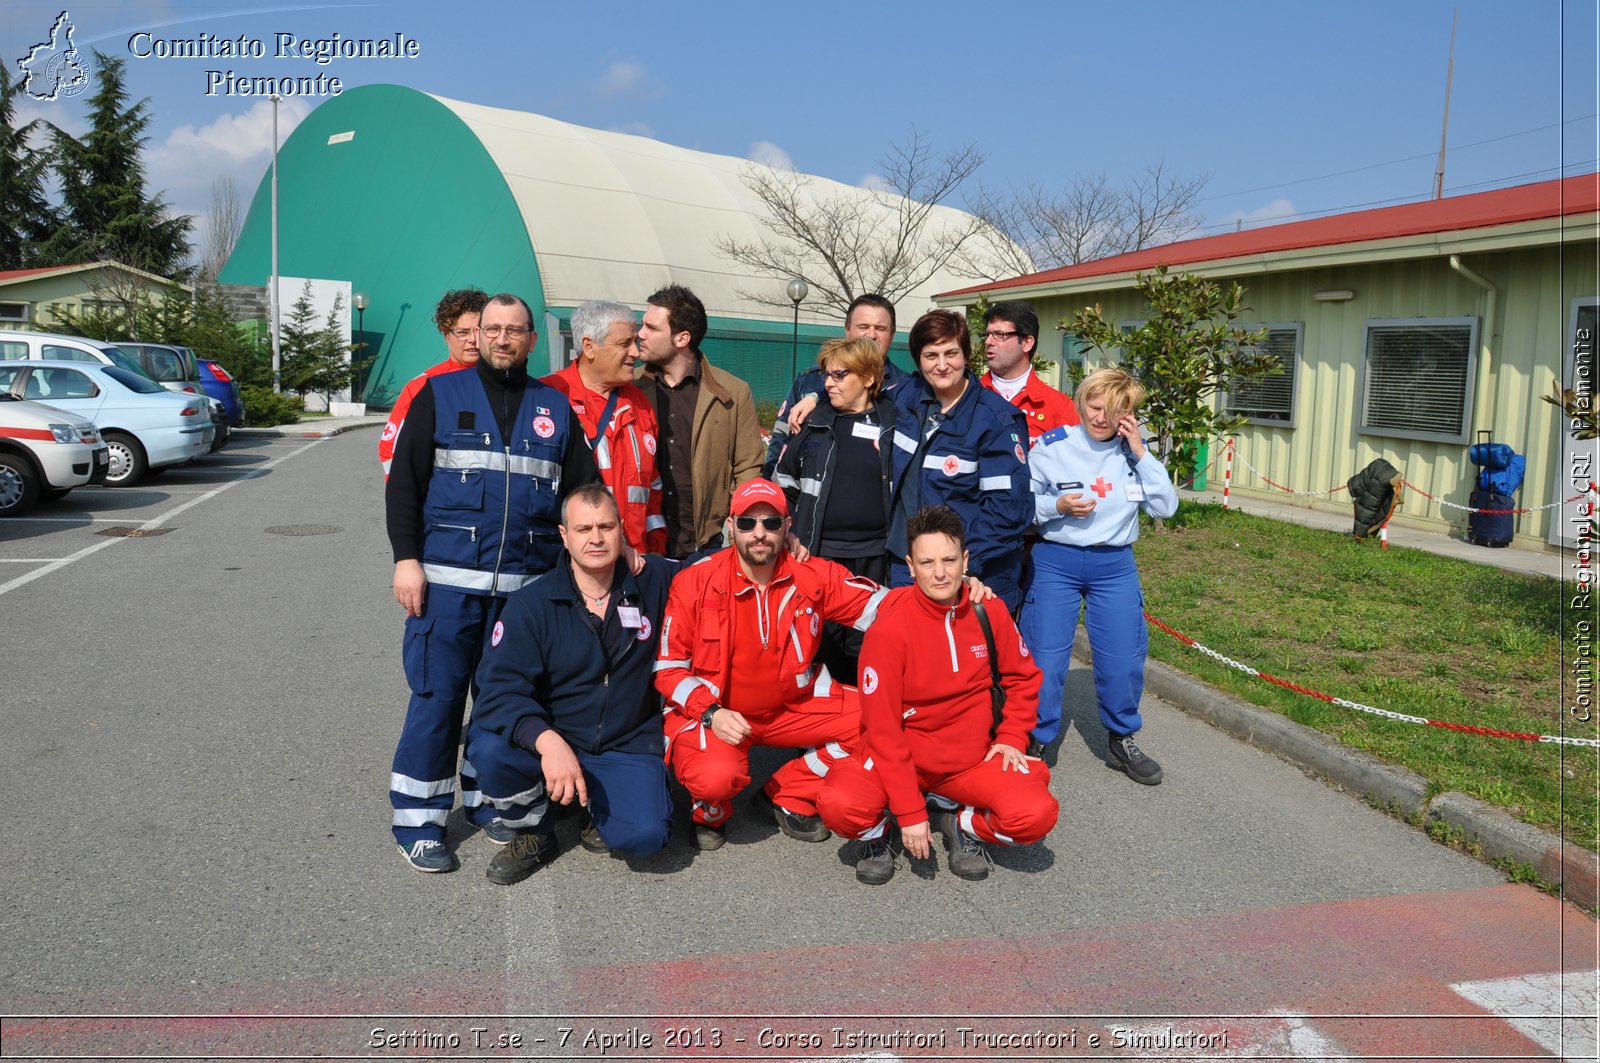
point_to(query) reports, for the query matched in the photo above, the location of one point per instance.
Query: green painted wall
(1527, 344)
(409, 207)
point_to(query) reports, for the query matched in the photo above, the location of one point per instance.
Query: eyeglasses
(997, 334)
(748, 524)
(513, 332)
(462, 333)
(836, 375)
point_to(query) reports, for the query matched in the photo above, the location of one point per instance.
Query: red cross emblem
(952, 465)
(1100, 487)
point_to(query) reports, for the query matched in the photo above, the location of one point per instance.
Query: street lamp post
(360, 346)
(277, 351)
(797, 290)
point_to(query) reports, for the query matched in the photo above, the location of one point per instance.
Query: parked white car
(17, 345)
(44, 453)
(144, 425)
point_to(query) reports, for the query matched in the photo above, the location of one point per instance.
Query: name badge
(629, 615)
(1135, 492)
(862, 430)
(1070, 485)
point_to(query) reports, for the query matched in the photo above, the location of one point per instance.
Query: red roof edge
(1560, 198)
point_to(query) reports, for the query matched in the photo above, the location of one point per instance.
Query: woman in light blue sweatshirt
(1089, 483)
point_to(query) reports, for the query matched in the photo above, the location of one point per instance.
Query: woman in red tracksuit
(928, 724)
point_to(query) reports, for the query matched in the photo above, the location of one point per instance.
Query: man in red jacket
(928, 722)
(457, 318)
(1010, 340)
(738, 642)
(617, 419)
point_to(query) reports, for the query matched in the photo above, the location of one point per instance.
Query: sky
(1287, 109)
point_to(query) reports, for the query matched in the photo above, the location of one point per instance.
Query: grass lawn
(1396, 629)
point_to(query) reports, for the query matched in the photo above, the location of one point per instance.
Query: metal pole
(794, 347)
(277, 353)
(360, 347)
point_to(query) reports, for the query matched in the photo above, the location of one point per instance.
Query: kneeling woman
(929, 725)
(1089, 484)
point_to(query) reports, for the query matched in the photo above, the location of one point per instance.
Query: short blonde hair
(1123, 393)
(860, 356)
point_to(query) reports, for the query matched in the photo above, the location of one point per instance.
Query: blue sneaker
(429, 857)
(497, 831)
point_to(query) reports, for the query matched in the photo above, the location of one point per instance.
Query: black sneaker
(497, 831)
(430, 857)
(525, 854)
(968, 858)
(1123, 755)
(708, 837)
(1035, 748)
(589, 835)
(801, 828)
(874, 861)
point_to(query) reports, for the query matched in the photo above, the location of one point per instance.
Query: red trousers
(714, 772)
(1005, 807)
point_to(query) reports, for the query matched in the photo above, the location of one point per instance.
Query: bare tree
(1091, 218)
(222, 227)
(844, 243)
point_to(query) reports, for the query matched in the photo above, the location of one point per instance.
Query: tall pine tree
(26, 219)
(107, 214)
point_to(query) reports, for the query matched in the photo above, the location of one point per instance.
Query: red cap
(754, 492)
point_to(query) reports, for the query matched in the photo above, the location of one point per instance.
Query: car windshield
(122, 361)
(134, 381)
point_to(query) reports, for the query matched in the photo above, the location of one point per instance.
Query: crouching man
(566, 709)
(929, 727)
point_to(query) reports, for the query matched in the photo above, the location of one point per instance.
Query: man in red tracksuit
(929, 728)
(1010, 340)
(738, 642)
(617, 419)
(457, 318)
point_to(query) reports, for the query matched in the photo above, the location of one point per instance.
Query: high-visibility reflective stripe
(680, 693)
(836, 751)
(937, 461)
(905, 442)
(640, 495)
(1001, 837)
(870, 613)
(965, 820)
(784, 480)
(525, 797)
(532, 819)
(811, 486)
(875, 831)
(420, 788)
(651, 523)
(817, 765)
(867, 764)
(803, 680)
(662, 666)
(602, 454)
(471, 798)
(471, 579)
(495, 461)
(420, 817)
(824, 683)
(994, 483)
(386, 463)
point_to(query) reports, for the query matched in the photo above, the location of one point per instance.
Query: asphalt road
(198, 724)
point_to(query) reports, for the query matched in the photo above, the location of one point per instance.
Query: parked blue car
(222, 387)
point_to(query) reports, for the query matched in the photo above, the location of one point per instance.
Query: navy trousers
(1103, 581)
(442, 648)
(628, 795)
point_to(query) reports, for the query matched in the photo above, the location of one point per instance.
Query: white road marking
(1556, 1010)
(154, 522)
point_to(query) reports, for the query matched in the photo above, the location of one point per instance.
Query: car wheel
(221, 440)
(19, 485)
(52, 494)
(128, 463)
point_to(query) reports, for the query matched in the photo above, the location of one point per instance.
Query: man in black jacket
(566, 710)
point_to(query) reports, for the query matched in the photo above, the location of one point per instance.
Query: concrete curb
(308, 429)
(1497, 834)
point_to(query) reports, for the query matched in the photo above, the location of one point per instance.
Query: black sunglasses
(748, 524)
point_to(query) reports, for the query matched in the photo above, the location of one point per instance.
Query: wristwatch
(705, 717)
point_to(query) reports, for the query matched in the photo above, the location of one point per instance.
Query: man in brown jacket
(707, 419)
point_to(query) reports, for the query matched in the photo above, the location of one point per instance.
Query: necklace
(597, 599)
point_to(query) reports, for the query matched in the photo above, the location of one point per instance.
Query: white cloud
(1276, 211)
(638, 129)
(63, 114)
(189, 160)
(769, 154)
(626, 80)
(875, 182)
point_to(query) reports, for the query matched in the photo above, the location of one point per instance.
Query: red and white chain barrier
(1488, 732)
(1231, 446)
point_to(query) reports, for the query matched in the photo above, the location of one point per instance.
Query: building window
(1417, 378)
(14, 312)
(1074, 362)
(1270, 399)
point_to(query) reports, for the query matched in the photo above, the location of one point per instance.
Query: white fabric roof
(616, 216)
